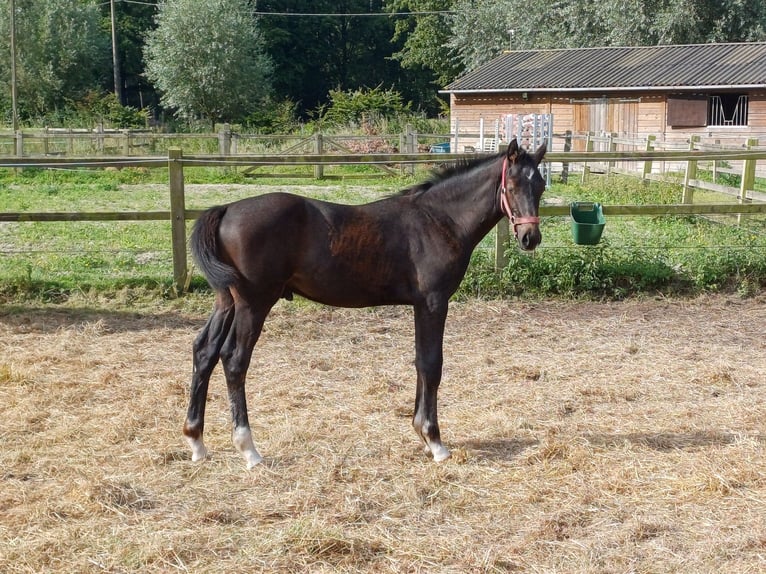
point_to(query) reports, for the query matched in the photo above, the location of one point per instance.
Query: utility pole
(14, 109)
(115, 57)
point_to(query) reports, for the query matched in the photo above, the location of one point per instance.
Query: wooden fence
(177, 214)
(723, 159)
(141, 143)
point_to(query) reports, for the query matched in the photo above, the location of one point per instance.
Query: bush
(637, 255)
(274, 117)
(104, 109)
(362, 107)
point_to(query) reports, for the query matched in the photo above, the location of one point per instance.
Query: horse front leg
(429, 337)
(205, 355)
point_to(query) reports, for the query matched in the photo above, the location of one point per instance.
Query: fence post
(650, 139)
(126, 143)
(691, 172)
(18, 136)
(403, 149)
(612, 146)
(588, 147)
(567, 148)
(177, 218)
(318, 149)
(457, 135)
(747, 181)
(715, 163)
(224, 140)
(100, 139)
(502, 238)
(412, 145)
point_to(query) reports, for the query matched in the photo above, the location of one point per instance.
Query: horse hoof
(199, 452)
(253, 459)
(441, 453)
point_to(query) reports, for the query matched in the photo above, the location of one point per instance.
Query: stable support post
(177, 218)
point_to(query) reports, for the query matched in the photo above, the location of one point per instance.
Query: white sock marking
(199, 452)
(243, 441)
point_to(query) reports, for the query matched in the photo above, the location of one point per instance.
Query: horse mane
(448, 171)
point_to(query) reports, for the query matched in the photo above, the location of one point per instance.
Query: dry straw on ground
(619, 437)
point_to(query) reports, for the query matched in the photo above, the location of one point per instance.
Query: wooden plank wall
(644, 112)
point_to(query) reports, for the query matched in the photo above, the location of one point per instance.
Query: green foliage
(213, 60)
(621, 189)
(425, 36)
(97, 108)
(362, 106)
(274, 117)
(207, 59)
(62, 51)
(637, 255)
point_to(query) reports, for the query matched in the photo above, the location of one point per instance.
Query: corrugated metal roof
(628, 68)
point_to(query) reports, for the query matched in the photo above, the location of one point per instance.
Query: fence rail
(178, 214)
(130, 143)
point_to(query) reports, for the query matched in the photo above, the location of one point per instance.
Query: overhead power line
(345, 15)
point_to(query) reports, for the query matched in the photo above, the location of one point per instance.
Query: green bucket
(587, 222)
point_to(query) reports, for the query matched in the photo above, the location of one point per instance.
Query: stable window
(728, 110)
(688, 111)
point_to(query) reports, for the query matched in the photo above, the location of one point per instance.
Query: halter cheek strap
(505, 205)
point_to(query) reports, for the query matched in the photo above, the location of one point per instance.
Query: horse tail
(204, 248)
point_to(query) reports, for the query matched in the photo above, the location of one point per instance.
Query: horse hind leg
(235, 356)
(206, 352)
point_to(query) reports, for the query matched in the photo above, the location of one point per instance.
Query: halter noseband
(505, 205)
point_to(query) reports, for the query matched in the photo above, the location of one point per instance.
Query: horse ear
(540, 153)
(513, 151)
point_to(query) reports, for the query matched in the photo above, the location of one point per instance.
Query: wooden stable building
(716, 91)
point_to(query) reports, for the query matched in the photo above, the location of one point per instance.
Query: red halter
(505, 205)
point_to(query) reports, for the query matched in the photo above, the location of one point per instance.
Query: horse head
(521, 188)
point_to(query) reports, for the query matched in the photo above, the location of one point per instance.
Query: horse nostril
(529, 240)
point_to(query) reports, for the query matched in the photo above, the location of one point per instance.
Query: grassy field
(637, 255)
(587, 437)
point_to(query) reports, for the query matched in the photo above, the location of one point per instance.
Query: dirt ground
(586, 437)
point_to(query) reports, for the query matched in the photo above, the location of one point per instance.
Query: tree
(207, 60)
(134, 20)
(425, 38)
(61, 53)
(583, 23)
(322, 45)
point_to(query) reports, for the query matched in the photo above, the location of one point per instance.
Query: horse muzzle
(527, 231)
